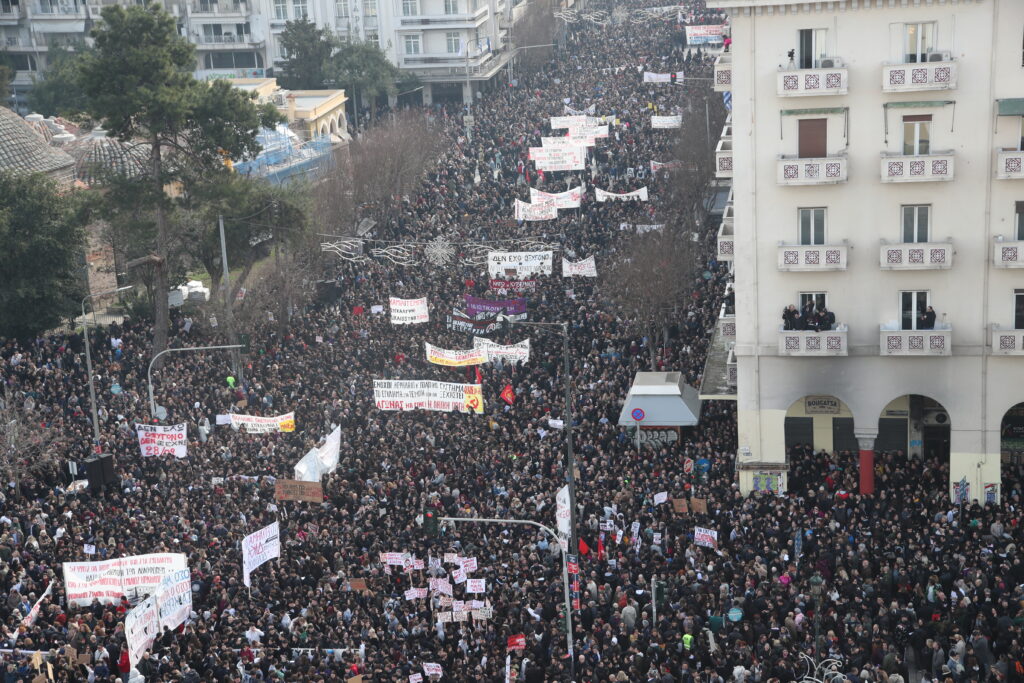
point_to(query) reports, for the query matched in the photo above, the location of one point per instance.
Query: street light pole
(149, 372)
(88, 364)
(565, 574)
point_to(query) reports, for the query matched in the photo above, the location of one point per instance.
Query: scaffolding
(285, 157)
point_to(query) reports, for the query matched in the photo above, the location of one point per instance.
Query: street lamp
(88, 363)
(817, 584)
(149, 372)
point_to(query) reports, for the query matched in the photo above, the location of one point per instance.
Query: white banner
(320, 460)
(559, 158)
(514, 353)
(563, 141)
(701, 34)
(566, 109)
(542, 211)
(558, 122)
(585, 268)
(563, 517)
(408, 311)
(259, 547)
(163, 440)
(174, 598)
(595, 132)
(667, 121)
(519, 264)
(460, 358)
(263, 425)
(107, 580)
(425, 394)
(570, 199)
(33, 614)
(705, 537)
(141, 627)
(657, 78)
(635, 195)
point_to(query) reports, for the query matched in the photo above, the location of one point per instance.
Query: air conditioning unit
(940, 57)
(936, 418)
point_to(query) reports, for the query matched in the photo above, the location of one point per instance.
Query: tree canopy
(307, 49)
(59, 92)
(364, 71)
(38, 226)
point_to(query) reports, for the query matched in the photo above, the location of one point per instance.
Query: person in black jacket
(826, 319)
(926, 321)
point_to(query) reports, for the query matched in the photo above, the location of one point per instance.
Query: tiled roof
(24, 151)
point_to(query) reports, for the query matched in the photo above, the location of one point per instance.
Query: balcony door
(917, 134)
(813, 142)
(812, 226)
(812, 47)
(1018, 309)
(912, 306)
(915, 223)
(919, 41)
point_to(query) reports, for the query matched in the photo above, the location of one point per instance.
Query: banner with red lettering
(108, 580)
(163, 440)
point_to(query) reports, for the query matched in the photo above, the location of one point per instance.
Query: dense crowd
(911, 583)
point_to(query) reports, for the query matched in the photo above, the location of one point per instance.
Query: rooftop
(24, 151)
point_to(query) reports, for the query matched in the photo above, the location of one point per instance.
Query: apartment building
(453, 46)
(875, 151)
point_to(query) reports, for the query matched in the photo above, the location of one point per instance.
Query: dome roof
(24, 151)
(98, 157)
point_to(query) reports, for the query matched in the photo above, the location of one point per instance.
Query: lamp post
(565, 575)
(149, 372)
(817, 585)
(88, 363)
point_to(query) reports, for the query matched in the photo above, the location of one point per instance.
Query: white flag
(259, 547)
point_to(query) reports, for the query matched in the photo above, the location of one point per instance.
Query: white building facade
(875, 154)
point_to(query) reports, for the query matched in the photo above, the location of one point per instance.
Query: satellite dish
(161, 413)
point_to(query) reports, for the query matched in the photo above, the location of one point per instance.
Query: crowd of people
(909, 582)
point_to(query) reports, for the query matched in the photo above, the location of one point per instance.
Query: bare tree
(535, 28)
(28, 444)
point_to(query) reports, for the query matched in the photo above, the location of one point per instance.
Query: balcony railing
(937, 342)
(50, 11)
(227, 39)
(12, 13)
(917, 168)
(723, 72)
(220, 8)
(731, 370)
(1009, 164)
(798, 257)
(1007, 342)
(1008, 253)
(723, 158)
(726, 236)
(825, 171)
(916, 256)
(833, 80)
(727, 325)
(811, 343)
(938, 75)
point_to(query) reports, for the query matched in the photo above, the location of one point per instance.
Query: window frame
(915, 296)
(812, 212)
(921, 38)
(281, 10)
(413, 5)
(820, 300)
(457, 35)
(451, 7)
(920, 126)
(418, 43)
(1017, 309)
(917, 210)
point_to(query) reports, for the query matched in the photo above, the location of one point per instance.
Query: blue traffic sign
(638, 414)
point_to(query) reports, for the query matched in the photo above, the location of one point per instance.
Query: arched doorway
(820, 444)
(1011, 451)
(918, 426)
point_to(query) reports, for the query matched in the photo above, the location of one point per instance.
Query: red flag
(479, 377)
(357, 310)
(600, 549)
(508, 394)
(516, 642)
(584, 548)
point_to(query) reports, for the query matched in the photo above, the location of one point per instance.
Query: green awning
(826, 110)
(1011, 107)
(918, 104)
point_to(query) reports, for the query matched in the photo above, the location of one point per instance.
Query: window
(819, 299)
(812, 226)
(919, 41)
(300, 8)
(410, 8)
(212, 33)
(1018, 309)
(913, 305)
(373, 36)
(242, 31)
(412, 45)
(1018, 225)
(281, 10)
(812, 47)
(453, 40)
(341, 9)
(369, 10)
(915, 134)
(916, 220)
(233, 60)
(451, 6)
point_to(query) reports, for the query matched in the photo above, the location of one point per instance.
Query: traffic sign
(638, 414)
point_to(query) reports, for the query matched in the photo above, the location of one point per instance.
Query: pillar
(428, 94)
(866, 449)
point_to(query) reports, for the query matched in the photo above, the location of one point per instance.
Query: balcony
(1009, 164)
(727, 324)
(723, 72)
(825, 171)
(1008, 253)
(915, 77)
(11, 15)
(216, 9)
(46, 11)
(227, 41)
(832, 79)
(452, 21)
(816, 258)
(726, 236)
(916, 256)
(731, 370)
(1008, 342)
(937, 342)
(811, 343)
(917, 168)
(723, 158)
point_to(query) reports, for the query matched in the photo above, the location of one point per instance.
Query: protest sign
(519, 264)
(570, 199)
(699, 34)
(163, 440)
(512, 286)
(585, 268)
(563, 517)
(705, 537)
(141, 627)
(459, 577)
(454, 358)
(476, 586)
(666, 121)
(636, 195)
(516, 642)
(679, 505)
(513, 308)
(262, 425)
(174, 599)
(107, 580)
(514, 353)
(432, 669)
(539, 211)
(259, 547)
(409, 311)
(358, 585)
(482, 323)
(468, 564)
(699, 505)
(293, 489)
(660, 498)
(393, 394)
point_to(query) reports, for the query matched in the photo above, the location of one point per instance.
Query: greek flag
(727, 100)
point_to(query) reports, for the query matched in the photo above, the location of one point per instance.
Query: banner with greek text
(481, 323)
(519, 264)
(703, 34)
(263, 425)
(408, 311)
(141, 627)
(570, 199)
(458, 358)
(174, 599)
(566, 109)
(558, 122)
(541, 211)
(501, 286)
(657, 78)
(636, 195)
(163, 440)
(585, 268)
(514, 353)
(667, 121)
(423, 394)
(668, 165)
(107, 580)
(514, 308)
(259, 547)
(559, 158)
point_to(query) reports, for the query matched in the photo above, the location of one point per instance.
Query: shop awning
(1011, 107)
(825, 110)
(918, 104)
(664, 399)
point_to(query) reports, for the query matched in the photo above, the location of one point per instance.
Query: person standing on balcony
(926, 321)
